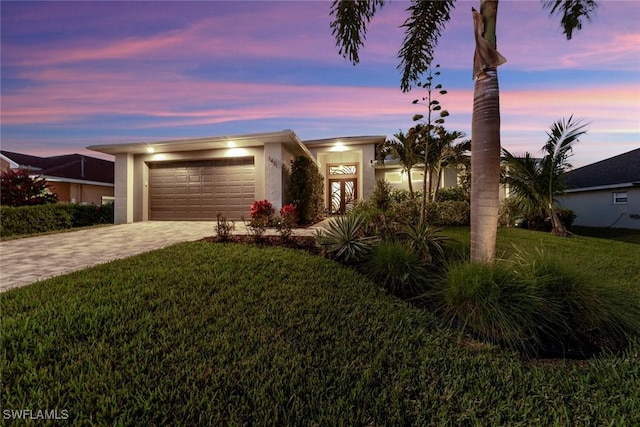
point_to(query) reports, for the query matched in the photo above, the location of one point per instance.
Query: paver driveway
(24, 261)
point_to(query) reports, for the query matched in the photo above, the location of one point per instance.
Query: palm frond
(563, 134)
(572, 13)
(422, 29)
(349, 26)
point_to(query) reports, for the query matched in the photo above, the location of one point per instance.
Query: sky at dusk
(76, 74)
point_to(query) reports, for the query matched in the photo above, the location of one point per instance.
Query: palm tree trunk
(558, 228)
(411, 196)
(485, 138)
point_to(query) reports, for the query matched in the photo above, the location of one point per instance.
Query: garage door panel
(200, 190)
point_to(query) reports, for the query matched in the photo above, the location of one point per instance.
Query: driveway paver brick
(25, 261)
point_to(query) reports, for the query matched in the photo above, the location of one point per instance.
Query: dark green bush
(375, 221)
(42, 218)
(381, 197)
(540, 222)
(453, 194)
(510, 213)
(34, 219)
(306, 189)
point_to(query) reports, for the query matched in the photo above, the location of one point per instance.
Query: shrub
(540, 222)
(306, 189)
(262, 209)
(381, 197)
(397, 267)
(224, 228)
(453, 213)
(375, 222)
(343, 239)
(406, 211)
(287, 220)
(510, 213)
(257, 227)
(59, 216)
(17, 188)
(453, 194)
(87, 215)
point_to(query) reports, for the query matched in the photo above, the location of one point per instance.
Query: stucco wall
(80, 193)
(596, 208)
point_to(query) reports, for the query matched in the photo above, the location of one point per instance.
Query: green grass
(202, 333)
(621, 234)
(603, 260)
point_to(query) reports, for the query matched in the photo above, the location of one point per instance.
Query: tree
(18, 188)
(423, 27)
(406, 149)
(447, 153)
(427, 129)
(306, 189)
(538, 182)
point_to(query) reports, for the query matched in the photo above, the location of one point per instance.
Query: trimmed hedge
(39, 219)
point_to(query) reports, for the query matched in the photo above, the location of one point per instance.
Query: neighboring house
(74, 178)
(195, 179)
(605, 193)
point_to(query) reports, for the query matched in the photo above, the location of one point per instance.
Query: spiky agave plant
(343, 239)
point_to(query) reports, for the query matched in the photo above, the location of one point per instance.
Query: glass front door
(343, 194)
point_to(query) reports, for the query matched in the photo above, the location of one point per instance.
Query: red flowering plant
(288, 219)
(262, 209)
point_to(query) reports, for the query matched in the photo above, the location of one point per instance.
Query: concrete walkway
(28, 260)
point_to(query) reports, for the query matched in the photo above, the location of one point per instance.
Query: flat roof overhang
(286, 137)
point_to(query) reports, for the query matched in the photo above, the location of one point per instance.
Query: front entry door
(343, 193)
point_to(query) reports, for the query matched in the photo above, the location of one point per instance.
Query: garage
(200, 190)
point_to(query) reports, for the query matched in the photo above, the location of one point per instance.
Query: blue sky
(82, 73)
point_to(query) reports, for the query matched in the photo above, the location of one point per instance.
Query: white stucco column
(273, 174)
(368, 171)
(123, 193)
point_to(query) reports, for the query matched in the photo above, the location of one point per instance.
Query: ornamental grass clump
(580, 315)
(539, 306)
(397, 267)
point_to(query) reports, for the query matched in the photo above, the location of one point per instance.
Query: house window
(620, 198)
(343, 170)
(393, 177)
(416, 176)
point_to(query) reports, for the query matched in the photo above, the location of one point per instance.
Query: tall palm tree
(538, 182)
(405, 149)
(423, 27)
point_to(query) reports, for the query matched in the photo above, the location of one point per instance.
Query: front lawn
(225, 334)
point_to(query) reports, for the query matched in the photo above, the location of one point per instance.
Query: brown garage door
(200, 190)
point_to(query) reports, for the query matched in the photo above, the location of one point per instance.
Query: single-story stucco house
(605, 193)
(74, 178)
(197, 179)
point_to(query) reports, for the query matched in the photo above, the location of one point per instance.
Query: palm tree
(423, 27)
(405, 149)
(449, 154)
(537, 182)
